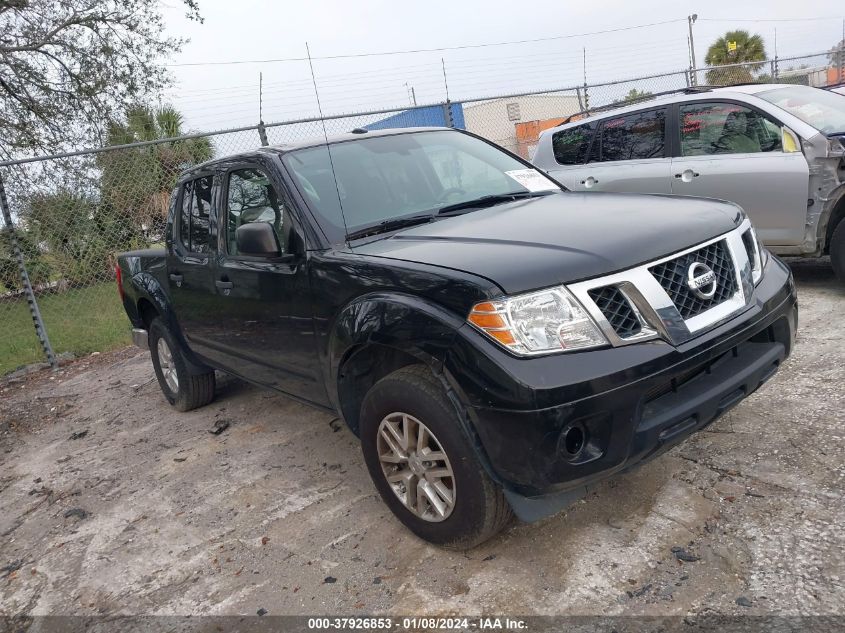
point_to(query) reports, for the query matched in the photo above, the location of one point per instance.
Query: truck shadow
(814, 272)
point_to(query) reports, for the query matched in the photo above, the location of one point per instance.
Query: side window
(633, 136)
(571, 146)
(252, 198)
(726, 128)
(195, 212)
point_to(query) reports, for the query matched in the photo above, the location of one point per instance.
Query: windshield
(822, 109)
(387, 177)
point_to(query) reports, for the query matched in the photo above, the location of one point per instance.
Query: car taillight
(119, 277)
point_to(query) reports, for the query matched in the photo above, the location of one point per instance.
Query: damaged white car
(777, 150)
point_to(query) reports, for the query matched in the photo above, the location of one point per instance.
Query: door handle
(687, 175)
(224, 285)
(589, 182)
(176, 278)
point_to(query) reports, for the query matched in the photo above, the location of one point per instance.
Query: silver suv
(776, 150)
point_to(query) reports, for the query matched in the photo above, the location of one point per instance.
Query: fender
(400, 321)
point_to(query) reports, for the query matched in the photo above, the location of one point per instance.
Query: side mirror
(789, 140)
(257, 239)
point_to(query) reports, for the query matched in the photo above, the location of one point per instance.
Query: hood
(560, 238)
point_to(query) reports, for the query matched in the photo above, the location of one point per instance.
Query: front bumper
(550, 426)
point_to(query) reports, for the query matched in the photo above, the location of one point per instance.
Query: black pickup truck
(497, 343)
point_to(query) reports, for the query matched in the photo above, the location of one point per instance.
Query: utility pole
(690, 21)
(775, 60)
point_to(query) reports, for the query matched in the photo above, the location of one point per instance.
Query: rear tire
(182, 389)
(460, 505)
(837, 250)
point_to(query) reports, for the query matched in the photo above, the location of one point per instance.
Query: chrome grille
(672, 275)
(617, 310)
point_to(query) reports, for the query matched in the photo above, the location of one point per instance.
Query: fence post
(447, 114)
(37, 321)
(262, 133)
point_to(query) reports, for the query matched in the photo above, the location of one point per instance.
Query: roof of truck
(356, 135)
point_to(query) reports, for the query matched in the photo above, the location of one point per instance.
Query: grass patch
(81, 321)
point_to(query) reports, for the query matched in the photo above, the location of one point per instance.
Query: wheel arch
(833, 217)
(377, 334)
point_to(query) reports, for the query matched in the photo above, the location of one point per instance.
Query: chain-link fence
(67, 216)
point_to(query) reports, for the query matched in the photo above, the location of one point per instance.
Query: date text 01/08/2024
(418, 623)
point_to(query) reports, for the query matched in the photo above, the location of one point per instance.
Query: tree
(634, 95)
(735, 47)
(77, 236)
(136, 182)
(836, 55)
(67, 66)
(10, 276)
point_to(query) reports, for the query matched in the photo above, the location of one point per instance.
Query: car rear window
(633, 136)
(571, 146)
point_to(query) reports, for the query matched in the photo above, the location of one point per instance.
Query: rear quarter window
(570, 146)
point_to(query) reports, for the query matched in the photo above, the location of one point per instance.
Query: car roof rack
(648, 97)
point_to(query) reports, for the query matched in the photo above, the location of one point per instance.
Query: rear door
(264, 329)
(190, 261)
(629, 154)
(732, 151)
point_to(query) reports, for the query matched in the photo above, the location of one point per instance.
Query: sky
(592, 38)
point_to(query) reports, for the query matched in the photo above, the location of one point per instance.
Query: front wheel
(423, 464)
(183, 390)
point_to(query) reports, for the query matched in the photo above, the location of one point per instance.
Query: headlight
(757, 255)
(538, 323)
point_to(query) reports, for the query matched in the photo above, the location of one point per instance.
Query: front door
(190, 262)
(733, 152)
(264, 318)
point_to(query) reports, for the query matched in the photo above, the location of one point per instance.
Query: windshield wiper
(489, 201)
(390, 225)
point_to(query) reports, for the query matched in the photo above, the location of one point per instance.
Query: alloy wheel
(168, 367)
(416, 467)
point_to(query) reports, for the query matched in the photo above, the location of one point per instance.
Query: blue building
(427, 116)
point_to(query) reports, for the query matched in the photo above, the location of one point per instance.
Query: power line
(429, 50)
(769, 19)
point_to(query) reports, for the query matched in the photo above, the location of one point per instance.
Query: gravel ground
(112, 503)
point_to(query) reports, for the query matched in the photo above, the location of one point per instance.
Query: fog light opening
(573, 441)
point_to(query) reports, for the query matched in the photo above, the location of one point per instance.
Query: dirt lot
(147, 512)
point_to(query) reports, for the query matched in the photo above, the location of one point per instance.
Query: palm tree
(735, 47)
(633, 96)
(137, 181)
